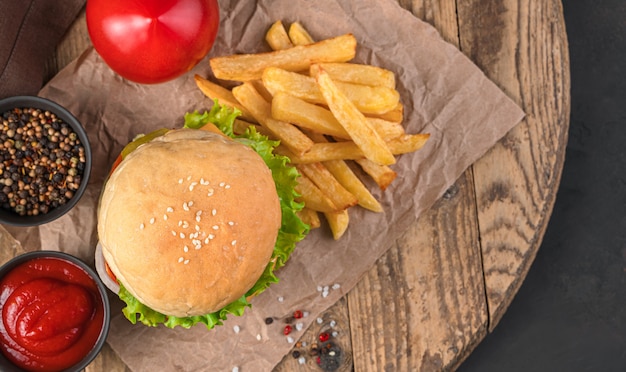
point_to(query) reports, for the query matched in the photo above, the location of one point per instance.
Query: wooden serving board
(447, 282)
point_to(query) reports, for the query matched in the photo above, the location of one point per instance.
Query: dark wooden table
(447, 282)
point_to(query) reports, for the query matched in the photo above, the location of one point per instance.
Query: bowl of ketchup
(54, 313)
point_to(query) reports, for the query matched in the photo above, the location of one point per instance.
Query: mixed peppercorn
(42, 161)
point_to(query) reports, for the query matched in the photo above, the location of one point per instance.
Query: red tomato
(152, 41)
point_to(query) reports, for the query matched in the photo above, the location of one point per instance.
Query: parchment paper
(443, 92)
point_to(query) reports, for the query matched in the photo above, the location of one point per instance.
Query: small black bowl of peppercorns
(45, 161)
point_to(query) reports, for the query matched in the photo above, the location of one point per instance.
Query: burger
(193, 222)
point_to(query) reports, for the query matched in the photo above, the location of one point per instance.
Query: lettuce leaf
(292, 228)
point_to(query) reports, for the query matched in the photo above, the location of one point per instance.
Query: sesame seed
(258, 337)
(206, 241)
(290, 339)
(165, 217)
(236, 329)
(222, 184)
(180, 223)
(203, 182)
(186, 262)
(214, 212)
(233, 242)
(281, 299)
(180, 259)
(333, 323)
(185, 224)
(170, 209)
(186, 249)
(185, 207)
(227, 187)
(173, 232)
(188, 178)
(210, 192)
(182, 236)
(211, 236)
(231, 223)
(180, 180)
(197, 218)
(193, 184)
(336, 286)
(141, 227)
(299, 326)
(197, 227)
(319, 320)
(301, 360)
(152, 221)
(190, 203)
(215, 227)
(198, 213)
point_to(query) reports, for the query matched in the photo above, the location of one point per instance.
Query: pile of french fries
(325, 111)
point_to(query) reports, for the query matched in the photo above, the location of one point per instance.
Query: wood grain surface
(447, 282)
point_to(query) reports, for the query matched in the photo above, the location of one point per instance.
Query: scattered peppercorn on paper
(443, 92)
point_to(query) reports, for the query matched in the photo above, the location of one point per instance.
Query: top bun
(188, 221)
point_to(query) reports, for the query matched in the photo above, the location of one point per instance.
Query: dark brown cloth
(29, 32)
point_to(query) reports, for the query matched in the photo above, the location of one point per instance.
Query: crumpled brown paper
(444, 95)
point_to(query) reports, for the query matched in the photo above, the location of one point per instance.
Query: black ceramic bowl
(49, 213)
(101, 296)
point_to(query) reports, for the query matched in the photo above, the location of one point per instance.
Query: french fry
(381, 174)
(407, 143)
(246, 67)
(310, 217)
(346, 177)
(299, 35)
(223, 95)
(325, 181)
(348, 150)
(395, 115)
(312, 197)
(360, 74)
(260, 109)
(338, 222)
(294, 110)
(277, 37)
(353, 121)
(367, 99)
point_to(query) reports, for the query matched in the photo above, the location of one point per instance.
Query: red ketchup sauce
(51, 314)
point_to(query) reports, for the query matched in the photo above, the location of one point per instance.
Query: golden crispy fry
(407, 143)
(294, 110)
(277, 37)
(348, 150)
(312, 197)
(346, 177)
(367, 99)
(246, 67)
(395, 115)
(325, 181)
(223, 95)
(353, 121)
(310, 217)
(338, 222)
(260, 109)
(360, 74)
(299, 35)
(381, 174)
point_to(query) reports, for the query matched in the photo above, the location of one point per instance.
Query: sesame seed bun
(188, 221)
